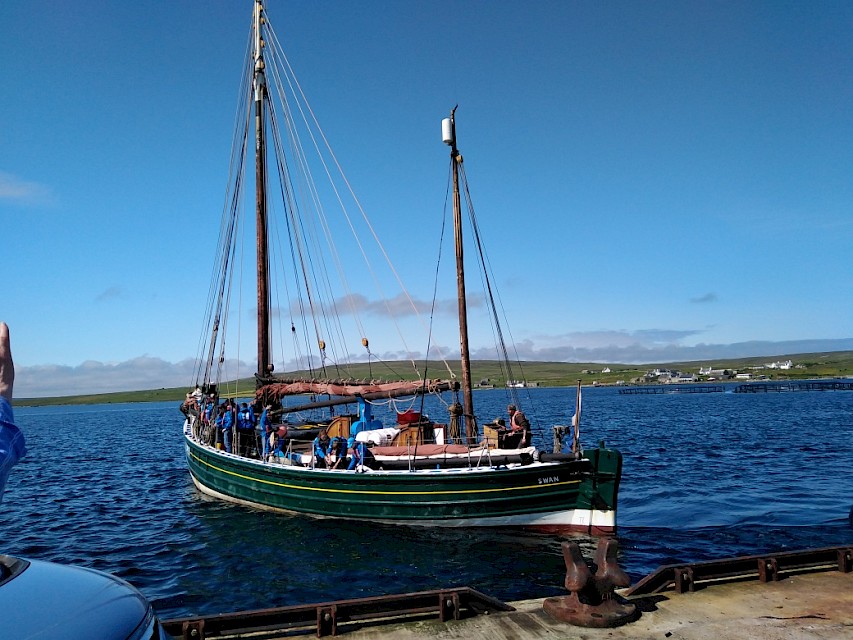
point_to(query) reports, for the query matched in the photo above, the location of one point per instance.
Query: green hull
(555, 496)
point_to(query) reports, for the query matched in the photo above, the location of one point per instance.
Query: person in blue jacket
(265, 425)
(356, 453)
(321, 449)
(12, 447)
(281, 443)
(245, 430)
(225, 422)
(247, 417)
(209, 403)
(337, 451)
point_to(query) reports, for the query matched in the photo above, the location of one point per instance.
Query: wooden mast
(467, 395)
(259, 85)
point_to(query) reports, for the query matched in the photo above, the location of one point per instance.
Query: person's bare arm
(7, 367)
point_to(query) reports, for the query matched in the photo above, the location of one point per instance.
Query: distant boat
(416, 471)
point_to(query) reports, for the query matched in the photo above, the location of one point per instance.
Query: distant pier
(747, 387)
(670, 388)
(806, 385)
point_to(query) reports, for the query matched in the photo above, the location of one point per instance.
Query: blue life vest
(320, 447)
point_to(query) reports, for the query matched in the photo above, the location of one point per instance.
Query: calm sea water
(706, 476)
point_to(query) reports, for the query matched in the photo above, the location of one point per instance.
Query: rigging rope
(485, 270)
(301, 157)
(313, 294)
(291, 75)
(216, 320)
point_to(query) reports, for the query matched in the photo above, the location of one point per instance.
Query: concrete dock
(780, 596)
(805, 606)
(816, 605)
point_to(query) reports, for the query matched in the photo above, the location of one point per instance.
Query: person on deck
(253, 435)
(225, 423)
(520, 435)
(337, 452)
(12, 447)
(247, 413)
(358, 453)
(191, 409)
(209, 404)
(265, 424)
(321, 449)
(280, 450)
(245, 430)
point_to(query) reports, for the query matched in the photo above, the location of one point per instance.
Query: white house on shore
(780, 365)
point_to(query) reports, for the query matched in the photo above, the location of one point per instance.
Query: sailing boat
(351, 465)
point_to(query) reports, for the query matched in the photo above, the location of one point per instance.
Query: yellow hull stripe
(381, 493)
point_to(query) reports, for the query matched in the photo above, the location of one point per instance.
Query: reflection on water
(706, 476)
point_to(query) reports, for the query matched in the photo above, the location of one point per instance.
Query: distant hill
(547, 374)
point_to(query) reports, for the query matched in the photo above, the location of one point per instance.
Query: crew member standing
(520, 435)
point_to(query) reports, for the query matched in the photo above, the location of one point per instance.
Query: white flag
(577, 410)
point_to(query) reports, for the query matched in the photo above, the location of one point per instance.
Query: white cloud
(21, 191)
(140, 373)
(399, 306)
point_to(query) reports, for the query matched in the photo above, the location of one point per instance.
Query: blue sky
(656, 181)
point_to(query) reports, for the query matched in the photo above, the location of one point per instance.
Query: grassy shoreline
(835, 364)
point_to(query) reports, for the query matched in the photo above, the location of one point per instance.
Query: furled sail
(348, 389)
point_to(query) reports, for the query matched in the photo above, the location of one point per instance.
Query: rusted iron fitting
(193, 630)
(449, 606)
(684, 579)
(845, 560)
(592, 600)
(768, 569)
(327, 621)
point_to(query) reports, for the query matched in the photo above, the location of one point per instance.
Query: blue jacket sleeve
(12, 446)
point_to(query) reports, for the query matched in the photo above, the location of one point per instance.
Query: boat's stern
(602, 491)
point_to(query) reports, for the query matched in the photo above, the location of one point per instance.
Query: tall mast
(259, 85)
(449, 135)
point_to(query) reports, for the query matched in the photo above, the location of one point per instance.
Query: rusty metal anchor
(592, 601)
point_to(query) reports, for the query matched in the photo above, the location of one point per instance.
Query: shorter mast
(448, 127)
